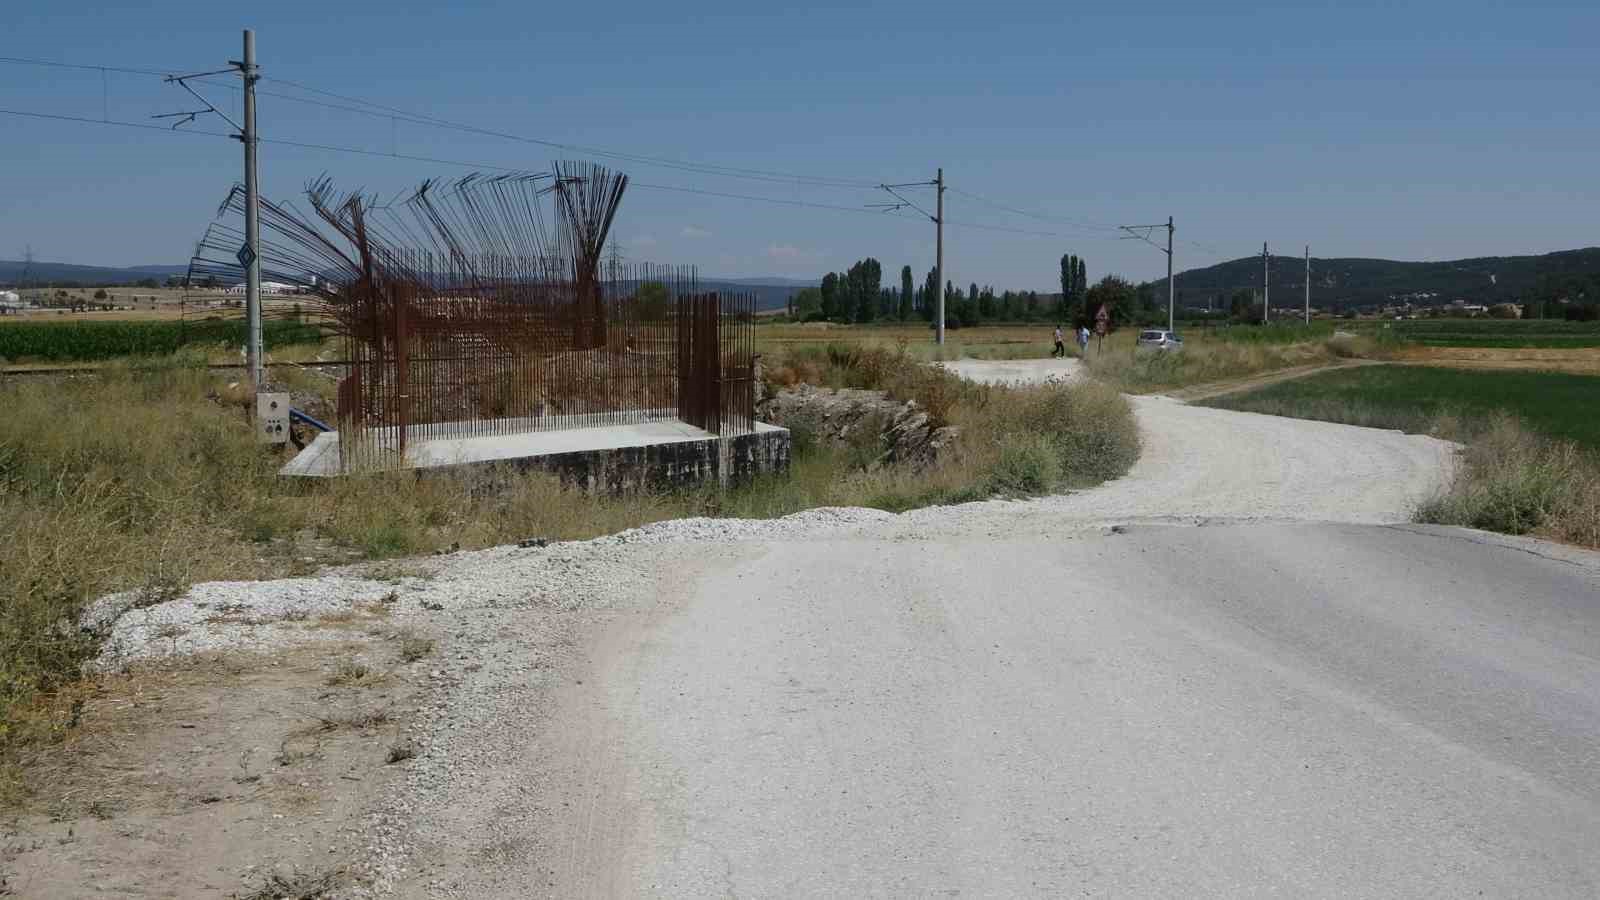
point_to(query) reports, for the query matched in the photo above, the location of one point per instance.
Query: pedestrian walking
(1061, 349)
(1083, 339)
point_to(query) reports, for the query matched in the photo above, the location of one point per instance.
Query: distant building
(268, 287)
(11, 302)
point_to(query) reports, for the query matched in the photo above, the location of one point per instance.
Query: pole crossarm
(906, 202)
(187, 117)
(1134, 235)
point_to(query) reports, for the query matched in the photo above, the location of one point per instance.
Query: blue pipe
(296, 415)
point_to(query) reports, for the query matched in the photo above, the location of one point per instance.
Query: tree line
(858, 295)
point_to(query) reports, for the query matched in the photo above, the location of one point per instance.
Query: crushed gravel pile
(263, 615)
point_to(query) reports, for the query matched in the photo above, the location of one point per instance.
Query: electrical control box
(272, 418)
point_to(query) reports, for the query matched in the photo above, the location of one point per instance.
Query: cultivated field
(1547, 333)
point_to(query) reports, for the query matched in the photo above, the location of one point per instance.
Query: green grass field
(1554, 333)
(88, 341)
(1412, 398)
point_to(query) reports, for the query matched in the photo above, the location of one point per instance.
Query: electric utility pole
(250, 254)
(1308, 284)
(937, 218)
(1169, 274)
(1266, 284)
(938, 256)
(1142, 233)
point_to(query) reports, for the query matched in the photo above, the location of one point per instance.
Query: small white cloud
(789, 252)
(694, 231)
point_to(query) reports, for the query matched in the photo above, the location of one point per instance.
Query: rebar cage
(461, 316)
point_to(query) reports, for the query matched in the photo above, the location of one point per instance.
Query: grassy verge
(1206, 358)
(145, 478)
(1532, 463)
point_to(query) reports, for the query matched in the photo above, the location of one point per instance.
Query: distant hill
(11, 272)
(1342, 282)
(771, 293)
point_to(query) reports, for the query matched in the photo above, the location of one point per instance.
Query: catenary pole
(1170, 324)
(1266, 284)
(252, 212)
(938, 258)
(1308, 284)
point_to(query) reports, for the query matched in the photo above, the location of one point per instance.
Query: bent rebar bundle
(462, 314)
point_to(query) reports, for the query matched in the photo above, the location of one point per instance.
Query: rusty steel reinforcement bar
(464, 314)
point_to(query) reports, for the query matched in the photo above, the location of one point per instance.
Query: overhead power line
(22, 60)
(1058, 220)
(383, 111)
(701, 168)
(359, 106)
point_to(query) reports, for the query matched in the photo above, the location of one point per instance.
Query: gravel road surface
(1230, 673)
(1284, 710)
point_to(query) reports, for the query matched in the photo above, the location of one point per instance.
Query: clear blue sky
(1399, 130)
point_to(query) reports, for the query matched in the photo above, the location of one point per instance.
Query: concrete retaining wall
(658, 467)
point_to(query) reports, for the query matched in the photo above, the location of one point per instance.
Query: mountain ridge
(1367, 281)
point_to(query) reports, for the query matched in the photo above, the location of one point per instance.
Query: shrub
(1027, 464)
(1514, 481)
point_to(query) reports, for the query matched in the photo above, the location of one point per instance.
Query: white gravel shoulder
(1016, 371)
(263, 615)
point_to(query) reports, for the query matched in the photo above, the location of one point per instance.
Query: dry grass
(1516, 481)
(353, 673)
(414, 647)
(986, 342)
(1013, 441)
(296, 886)
(1119, 363)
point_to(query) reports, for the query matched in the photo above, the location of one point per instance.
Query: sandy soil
(218, 776)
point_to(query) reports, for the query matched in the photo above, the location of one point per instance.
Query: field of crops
(1491, 332)
(1412, 398)
(85, 341)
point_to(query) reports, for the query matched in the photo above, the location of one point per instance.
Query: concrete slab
(321, 458)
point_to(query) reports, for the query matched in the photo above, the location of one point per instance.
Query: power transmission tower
(938, 223)
(1266, 284)
(1308, 284)
(27, 275)
(1142, 233)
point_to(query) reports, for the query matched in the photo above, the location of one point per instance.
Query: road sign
(245, 256)
(1102, 321)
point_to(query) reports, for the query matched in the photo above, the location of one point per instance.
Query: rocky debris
(899, 431)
